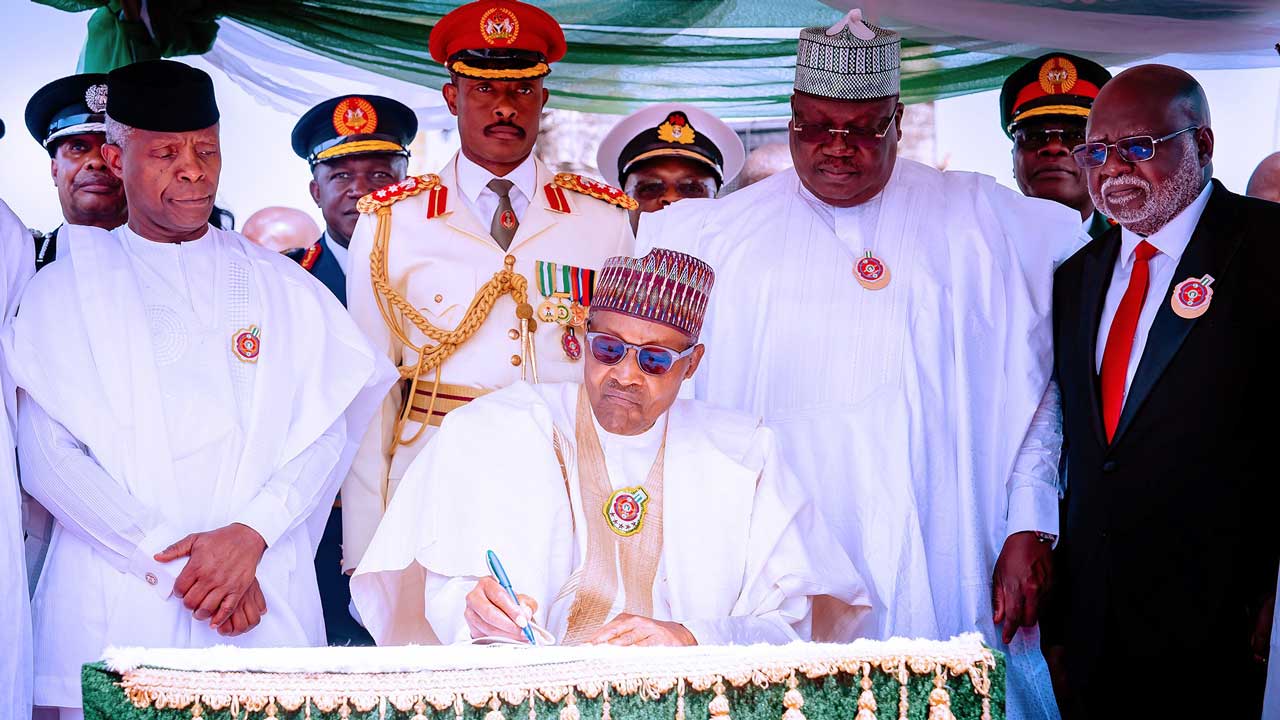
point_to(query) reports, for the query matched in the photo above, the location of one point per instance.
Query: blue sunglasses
(652, 359)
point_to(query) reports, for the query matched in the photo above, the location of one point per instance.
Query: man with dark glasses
(1043, 109)
(479, 275)
(1164, 335)
(669, 152)
(891, 323)
(621, 514)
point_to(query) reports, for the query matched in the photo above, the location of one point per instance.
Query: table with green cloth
(898, 679)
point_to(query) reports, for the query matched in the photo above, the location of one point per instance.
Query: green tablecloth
(959, 679)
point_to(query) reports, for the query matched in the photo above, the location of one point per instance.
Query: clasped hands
(491, 612)
(220, 583)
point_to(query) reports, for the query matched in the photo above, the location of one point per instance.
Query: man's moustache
(615, 385)
(97, 179)
(839, 167)
(1124, 181)
(519, 130)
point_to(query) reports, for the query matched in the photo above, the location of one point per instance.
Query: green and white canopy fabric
(735, 58)
(1192, 34)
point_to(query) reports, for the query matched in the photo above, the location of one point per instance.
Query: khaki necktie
(504, 223)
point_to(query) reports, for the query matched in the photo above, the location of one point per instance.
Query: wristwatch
(1045, 537)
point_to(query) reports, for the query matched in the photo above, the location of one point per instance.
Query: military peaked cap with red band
(354, 125)
(1056, 84)
(505, 40)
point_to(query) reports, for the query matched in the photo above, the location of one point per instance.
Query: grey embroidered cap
(851, 60)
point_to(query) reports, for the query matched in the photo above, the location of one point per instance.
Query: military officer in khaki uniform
(479, 276)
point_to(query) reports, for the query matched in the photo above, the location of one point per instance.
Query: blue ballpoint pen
(495, 567)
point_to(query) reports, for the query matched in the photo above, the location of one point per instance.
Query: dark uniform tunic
(46, 246)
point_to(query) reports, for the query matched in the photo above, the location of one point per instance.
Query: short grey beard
(1163, 202)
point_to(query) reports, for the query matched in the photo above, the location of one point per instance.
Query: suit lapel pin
(1191, 297)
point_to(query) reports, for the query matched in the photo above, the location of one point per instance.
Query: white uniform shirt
(474, 183)
(340, 253)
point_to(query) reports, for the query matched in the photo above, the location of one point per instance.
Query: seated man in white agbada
(622, 515)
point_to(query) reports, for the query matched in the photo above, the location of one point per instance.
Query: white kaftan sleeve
(58, 472)
(1034, 487)
(446, 603)
(298, 489)
(774, 628)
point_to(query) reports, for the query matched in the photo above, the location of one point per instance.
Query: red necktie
(1115, 358)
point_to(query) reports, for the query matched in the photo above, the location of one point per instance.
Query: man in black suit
(355, 144)
(1163, 329)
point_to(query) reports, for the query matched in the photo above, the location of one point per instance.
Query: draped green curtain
(735, 57)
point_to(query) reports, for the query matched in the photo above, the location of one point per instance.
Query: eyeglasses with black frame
(1034, 139)
(652, 359)
(1134, 149)
(818, 133)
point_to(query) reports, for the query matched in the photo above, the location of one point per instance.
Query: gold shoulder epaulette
(596, 189)
(396, 192)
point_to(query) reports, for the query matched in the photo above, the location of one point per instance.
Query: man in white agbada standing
(18, 256)
(891, 324)
(188, 403)
(622, 515)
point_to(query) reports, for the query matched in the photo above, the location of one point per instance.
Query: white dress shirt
(340, 253)
(474, 181)
(1171, 240)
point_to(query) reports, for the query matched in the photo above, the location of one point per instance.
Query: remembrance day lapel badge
(625, 510)
(871, 272)
(246, 343)
(1191, 297)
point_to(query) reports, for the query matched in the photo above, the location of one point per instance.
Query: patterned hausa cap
(664, 286)
(851, 60)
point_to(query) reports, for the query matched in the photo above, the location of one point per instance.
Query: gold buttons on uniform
(439, 298)
(514, 334)
(515, 359)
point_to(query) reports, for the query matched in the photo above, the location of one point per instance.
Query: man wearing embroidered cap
(355, 145)
(164, 416)
(642, 519)
(481, 275)
(1043, 108)
(898, 342)
(669, 152)
(66, 118)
